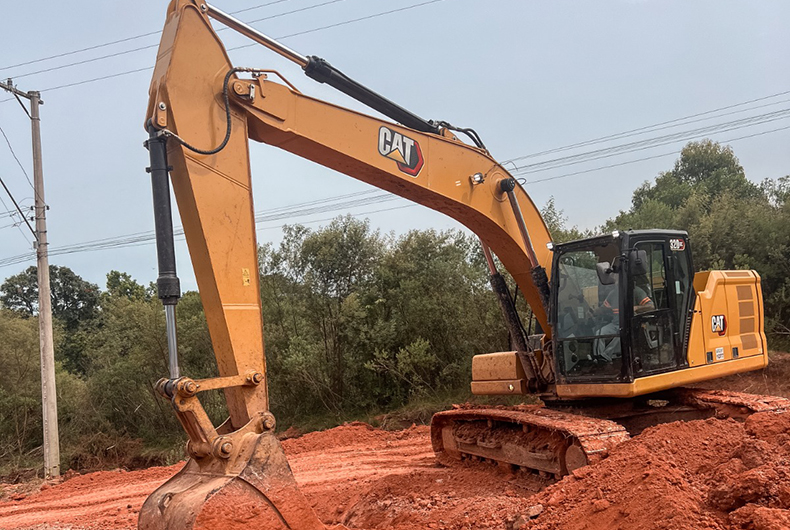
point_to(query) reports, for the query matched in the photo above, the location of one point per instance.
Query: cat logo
(718, 324)
(402, 149)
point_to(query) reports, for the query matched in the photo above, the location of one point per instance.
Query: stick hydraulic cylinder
(167, 284)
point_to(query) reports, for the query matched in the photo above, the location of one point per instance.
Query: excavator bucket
(204, 496)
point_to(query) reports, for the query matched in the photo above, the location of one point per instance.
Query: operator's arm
(642, 302)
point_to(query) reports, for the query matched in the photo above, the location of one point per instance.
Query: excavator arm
(200, 115)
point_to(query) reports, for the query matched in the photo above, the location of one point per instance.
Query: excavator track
(534, 438)
(727, 404)
(555, 442)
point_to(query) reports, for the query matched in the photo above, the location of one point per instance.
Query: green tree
(732, 222)
(122, 284)
(73, 299)
(20, 395)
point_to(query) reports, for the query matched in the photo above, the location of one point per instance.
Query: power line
(119, 41)
(150, 46)
(7, 141)
(16, 224)
(649, 127)
(346, 22)
(16, 204)
(652, 142)
(364, 198)
(102, 78)
(557, 177)
(127, 72)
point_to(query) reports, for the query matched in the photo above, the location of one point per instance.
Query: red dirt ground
(712, 474)
(708, 474)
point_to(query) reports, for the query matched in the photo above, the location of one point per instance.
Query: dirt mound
(352, 433)
(473, 497)
(709, 474)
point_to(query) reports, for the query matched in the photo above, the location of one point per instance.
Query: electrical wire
(364, 198)
(21, 213)
(652, 142)
(127, 72)
(346, 22)
(13, 153)
(662, 155)
(150, 46)
(119, 41)
(649, 128)
(16, 224)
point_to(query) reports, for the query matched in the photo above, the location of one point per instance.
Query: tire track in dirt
(332, 467)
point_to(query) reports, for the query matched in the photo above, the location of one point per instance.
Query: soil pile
(712, 474)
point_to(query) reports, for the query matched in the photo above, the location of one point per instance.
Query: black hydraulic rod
(506, 303)
(167, 284)
(323, 72)
(539, 276)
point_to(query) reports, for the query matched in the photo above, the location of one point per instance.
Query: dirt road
(712, 474)
(353, 473)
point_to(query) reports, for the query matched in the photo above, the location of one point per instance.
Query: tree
(679, 198)
(122, 284)
(732, 222)
(20, 393)
(73, 299)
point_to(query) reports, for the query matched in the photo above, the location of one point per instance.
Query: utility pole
(46, 344)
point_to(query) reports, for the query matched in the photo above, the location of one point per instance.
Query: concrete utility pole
(46, 344)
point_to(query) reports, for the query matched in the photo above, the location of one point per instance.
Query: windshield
(581, 294)
(588, 320)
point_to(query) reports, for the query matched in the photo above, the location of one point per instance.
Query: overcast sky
(528, 76)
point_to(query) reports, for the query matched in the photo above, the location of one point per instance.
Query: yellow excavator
(623, 322)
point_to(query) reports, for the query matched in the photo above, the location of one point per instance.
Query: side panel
(728, 318)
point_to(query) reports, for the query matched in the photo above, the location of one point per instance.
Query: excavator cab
(621, 307)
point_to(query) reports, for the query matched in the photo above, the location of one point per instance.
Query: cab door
(653, 330)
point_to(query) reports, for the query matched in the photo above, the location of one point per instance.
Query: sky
(529, 76)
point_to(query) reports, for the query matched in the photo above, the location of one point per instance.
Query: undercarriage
(558, 437)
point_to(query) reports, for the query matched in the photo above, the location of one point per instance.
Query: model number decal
(718, 324)
(677, 245)
(403, 150)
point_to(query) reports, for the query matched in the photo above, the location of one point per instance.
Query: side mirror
(637, 262)
(605, 273)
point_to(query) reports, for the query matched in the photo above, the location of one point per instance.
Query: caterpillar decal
(718, 324)
(403, 150)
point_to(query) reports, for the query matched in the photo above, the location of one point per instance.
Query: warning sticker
(719, 354)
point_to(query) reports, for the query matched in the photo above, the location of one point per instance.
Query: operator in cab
(610, 311)
(642, 302)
